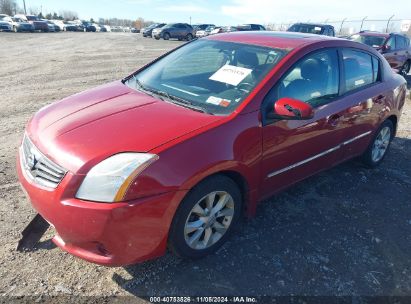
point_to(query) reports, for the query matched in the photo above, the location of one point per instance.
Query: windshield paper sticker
(218, 101)
(231, 74)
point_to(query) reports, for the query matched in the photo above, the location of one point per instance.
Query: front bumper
(156, 35)
(114, 234)
(5, 27)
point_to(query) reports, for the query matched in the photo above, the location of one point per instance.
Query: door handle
(333, 120)
(379, 99)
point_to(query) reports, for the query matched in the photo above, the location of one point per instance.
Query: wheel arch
(239, 179)
(394, 120)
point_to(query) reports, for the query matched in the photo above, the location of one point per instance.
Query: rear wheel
(205, 218)
(406, 68)
(378, 148)
(189, 37)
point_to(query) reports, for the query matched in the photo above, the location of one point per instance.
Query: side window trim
(266, 98)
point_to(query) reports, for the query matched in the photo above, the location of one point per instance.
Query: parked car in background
(201, 27)
(180, 31)
(135, 30)
(223, 29)
(311, 28)
(91, 27)
(73, 26)
(7, 24)
(251, 27)
(60, 24)
(23, 26)
(148, 31)
(52, 27)
(395, 47)
(39, 25)
(105, 28)
(207, 31)
(228, 29)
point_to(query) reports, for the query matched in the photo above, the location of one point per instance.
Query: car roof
(371, 33)
(314, 24)
(282, 40)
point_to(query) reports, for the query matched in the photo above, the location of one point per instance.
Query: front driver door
(295, 149)
(391, 54)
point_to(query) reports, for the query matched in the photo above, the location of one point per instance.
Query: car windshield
(306, 28)
(207, 75)
(32, 18)
(373, 41)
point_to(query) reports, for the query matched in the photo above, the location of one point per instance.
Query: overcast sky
(229, 12)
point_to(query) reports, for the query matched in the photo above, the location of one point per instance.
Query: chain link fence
(345, 27)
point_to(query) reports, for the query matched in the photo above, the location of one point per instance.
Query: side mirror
(386, 48)
(293, 109)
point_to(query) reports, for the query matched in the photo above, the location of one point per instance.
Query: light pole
(388, 23)
(24, 4)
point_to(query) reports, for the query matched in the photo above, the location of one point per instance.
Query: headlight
(109, 180)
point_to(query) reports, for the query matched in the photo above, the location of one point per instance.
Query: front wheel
(189, 37)
(205, 218)
(166, 36)
(378, 148)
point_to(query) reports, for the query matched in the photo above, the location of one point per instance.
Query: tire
(190, 241)
(374, 155)
(157, 38)
(166, 36)
(189, 37)
(406, 68)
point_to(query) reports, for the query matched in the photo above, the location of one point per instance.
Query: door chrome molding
(272, 174)
(356, 138)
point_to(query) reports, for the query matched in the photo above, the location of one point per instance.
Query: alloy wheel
(406, 68)
(209, 220)
(381, 144)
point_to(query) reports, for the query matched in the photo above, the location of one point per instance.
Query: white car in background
(207, 31)
(7, 24)
(60, 24)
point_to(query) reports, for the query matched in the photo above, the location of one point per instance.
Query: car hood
(95, 124)
(5, 22)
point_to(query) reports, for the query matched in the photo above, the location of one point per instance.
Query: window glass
(391, 43)
(400, 43)
(358, 69)
(216, 76)
(373, 41)
(315, 79)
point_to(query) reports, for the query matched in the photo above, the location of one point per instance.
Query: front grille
(38, 167)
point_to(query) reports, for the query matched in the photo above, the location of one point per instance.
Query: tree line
(11, 8)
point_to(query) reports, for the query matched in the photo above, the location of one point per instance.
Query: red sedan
(173, 155)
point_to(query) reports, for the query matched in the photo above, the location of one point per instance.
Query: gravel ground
(346, 231)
